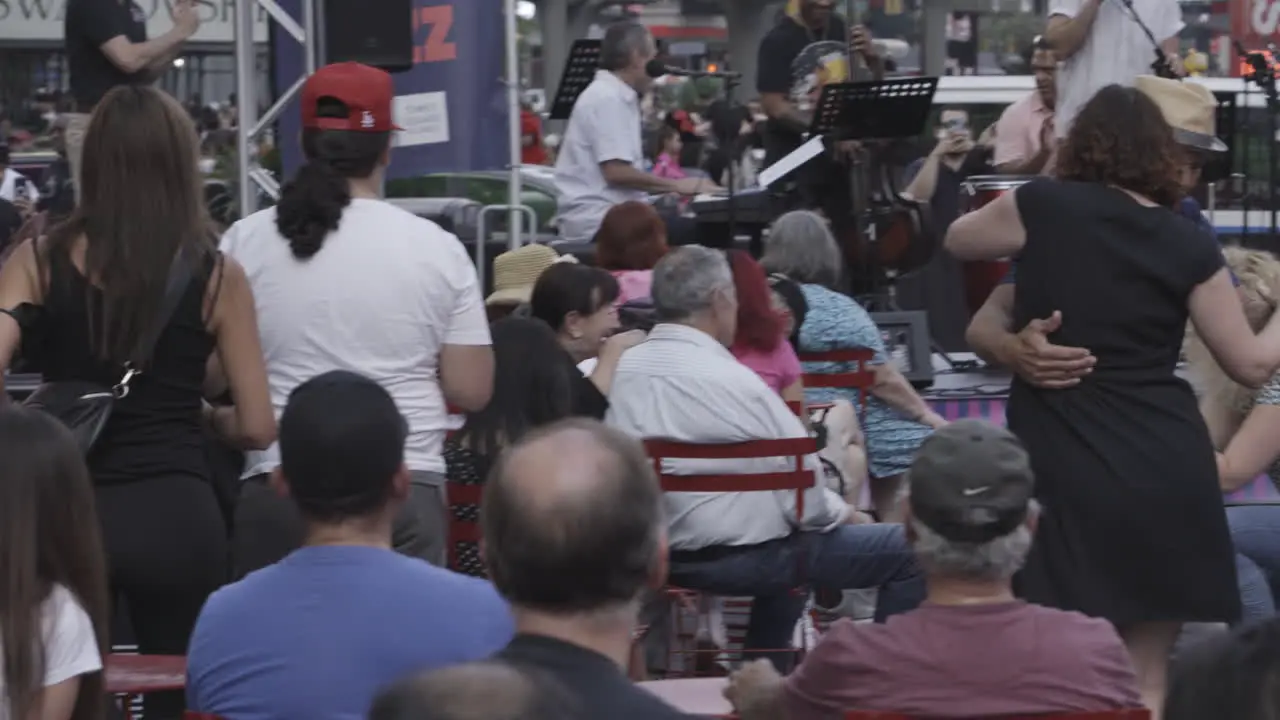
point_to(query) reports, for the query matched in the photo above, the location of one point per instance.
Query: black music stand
(579, 70)
(877, 110)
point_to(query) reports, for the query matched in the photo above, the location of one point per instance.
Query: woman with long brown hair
(53, 578)
(1133, 529)
(97, 282)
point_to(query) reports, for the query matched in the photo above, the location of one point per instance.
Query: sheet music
(788, 164)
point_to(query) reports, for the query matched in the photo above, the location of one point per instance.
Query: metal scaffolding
(252, 178)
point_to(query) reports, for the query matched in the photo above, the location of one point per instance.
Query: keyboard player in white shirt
(601, 160)
(683, 384)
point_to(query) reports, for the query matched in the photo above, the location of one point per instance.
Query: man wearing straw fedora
(1191, 110)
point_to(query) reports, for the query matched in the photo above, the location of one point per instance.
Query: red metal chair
(132, 676)
(798, 478)
(861, 379)
(1129, 714)
(464, 534)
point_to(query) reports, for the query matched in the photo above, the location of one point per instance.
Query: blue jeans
(849, 557)
(1255, 531)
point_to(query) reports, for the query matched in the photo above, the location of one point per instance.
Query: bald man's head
(573, 520)
(488, 690)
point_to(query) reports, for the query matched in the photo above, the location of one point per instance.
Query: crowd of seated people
(363, 376)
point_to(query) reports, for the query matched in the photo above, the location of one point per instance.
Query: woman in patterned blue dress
(801, 247)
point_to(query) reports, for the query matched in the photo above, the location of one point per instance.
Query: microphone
(656, 68)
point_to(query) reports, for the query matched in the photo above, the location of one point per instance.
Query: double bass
(891, 234)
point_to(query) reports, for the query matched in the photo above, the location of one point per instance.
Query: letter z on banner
(452, 104)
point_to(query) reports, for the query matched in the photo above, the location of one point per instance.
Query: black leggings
(166, 547)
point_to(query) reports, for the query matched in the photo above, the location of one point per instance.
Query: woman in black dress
(1133, 529)
(98, 280)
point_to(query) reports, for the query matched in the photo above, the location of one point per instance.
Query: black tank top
(157, 429)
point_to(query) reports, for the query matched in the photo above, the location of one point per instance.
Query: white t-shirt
(1115, 51)
(9, 186)
(70, 647)
(386, 291)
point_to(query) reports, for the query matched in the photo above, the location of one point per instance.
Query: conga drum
(981, 277)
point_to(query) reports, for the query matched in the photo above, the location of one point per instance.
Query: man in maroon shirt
(972, 650)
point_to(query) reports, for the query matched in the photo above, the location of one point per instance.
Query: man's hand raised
(1043, 364)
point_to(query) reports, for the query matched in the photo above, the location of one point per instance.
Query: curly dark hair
(1120, 138)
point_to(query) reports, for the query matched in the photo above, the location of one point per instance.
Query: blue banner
(452, 104)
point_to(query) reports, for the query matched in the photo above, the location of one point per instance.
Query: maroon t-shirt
(966, 661)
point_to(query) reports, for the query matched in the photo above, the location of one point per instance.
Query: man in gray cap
(973, 649)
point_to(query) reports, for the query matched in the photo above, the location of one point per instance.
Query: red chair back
(861, 378)
(1129, 714)
(464, 524)
(798, 478)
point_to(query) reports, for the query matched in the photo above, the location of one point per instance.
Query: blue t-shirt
(318, 634)
(1188, 208)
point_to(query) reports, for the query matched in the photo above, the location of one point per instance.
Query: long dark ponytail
(311, 204)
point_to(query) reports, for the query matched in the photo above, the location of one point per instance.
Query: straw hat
(1188, 107)
(516, 271)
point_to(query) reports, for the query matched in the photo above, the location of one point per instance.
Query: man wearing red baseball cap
(367, 93)
(346, 281)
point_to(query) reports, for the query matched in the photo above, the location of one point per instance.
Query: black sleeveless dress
(1133, 528)
(162, 527)
(156, 430)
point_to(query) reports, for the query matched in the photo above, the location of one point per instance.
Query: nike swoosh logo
(970, 492)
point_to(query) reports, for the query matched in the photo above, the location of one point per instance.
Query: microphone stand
(730, 83)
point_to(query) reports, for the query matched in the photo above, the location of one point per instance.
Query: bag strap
(180, 274)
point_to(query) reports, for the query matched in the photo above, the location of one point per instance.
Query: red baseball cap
(366, 91)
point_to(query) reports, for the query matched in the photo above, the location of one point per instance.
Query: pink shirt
(633, 284)
(1018, 130)
(779, 369)
(668, 167)
(967, 661)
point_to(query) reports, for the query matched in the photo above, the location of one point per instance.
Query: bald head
(476, 691)
(572, 519)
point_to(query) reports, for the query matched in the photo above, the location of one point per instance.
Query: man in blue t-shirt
(316, 635)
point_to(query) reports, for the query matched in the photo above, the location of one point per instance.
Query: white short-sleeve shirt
(1115, 51)
(384, 294)
(70, 645)
(604, 126)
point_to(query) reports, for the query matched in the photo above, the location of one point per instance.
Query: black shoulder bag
(85, 406)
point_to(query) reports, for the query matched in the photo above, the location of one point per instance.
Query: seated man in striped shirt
(683, 384)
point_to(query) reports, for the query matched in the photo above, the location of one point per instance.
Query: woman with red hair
(632, 239)
(761, 344)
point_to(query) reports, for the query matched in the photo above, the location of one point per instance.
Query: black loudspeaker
(374, 32)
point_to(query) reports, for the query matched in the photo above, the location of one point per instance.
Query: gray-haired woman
(801, 247)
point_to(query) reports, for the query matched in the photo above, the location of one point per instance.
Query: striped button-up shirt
(683, 385)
